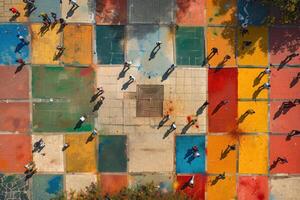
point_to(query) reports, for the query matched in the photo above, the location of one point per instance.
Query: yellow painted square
(215, 145)
(80, 156)
(256, 53)
(44, 46)
(223, 39)
(218, 12)
(257, 122)
(253, 154)
(222, 190)
(247, 84)
(78, 44)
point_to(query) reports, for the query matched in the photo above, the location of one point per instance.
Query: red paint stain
(86, 71)
(170, 108)
(260, 196)
(197, 126)
(236, 133)
(189, 119)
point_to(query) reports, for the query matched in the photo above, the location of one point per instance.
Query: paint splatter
(86, 71)
(54, 185)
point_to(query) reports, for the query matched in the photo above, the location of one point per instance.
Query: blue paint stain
(54, 185)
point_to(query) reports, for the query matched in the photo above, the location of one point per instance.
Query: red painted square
(15, 152)
(190, 12)
(111, 11)
(283, 42)
(285, 84)
(14, 117)
(222, 85)
(279, 147)
(112, 183)
(285, 122)
(198, 191)
(14, 85)
(253, 187)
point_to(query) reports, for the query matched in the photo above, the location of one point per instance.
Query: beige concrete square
(150, 153)
(84, 13)
(285, 188)
(53, 160)
(78, 182)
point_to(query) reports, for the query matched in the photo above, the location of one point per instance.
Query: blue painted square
(184, 160)
(10, 46)
(255, 11)
(110, 44)
(46, 186)
(45, 6)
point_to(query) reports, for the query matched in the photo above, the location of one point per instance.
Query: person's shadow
(126, 84)
(57, 55)
(95, 96)
(187, 127)
(218, 107)
(257, 92)
(189, 155)
(19, 68)
(98, 105)
(222, 63)
(202, 108)
(162, 121)
(295, 81)
(70, 13)
(44, 29)
(78, 125)
(168, 73)
(154, 52)
(89, 139)
(283, 109)
(14, 18)
(20, 46)
(123, 72)
(287, 60)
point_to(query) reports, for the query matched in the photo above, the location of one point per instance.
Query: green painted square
(47, 186)
(112, 153)
(110, 44)
(190, 48)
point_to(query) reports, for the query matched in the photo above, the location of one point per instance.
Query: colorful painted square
(112, 183)
(82, 14)
(222, 98)
(221, 154)
(253, 154)
(44, 45)
(253, 47)
(224, 40)
(223, 189)
(111, 12)
(112, 155)
(221, 12)
(11, 48)
(110, 44)
(280, 148)
(46, 186)
(253, 187)
(190, 13)
(283, 45)
(285, 187)
(78, 53)
(151, 11)
(45, 6)
(284, 120)
(190, 47)
(197, 192)
(7, 16)
(252, 12)
(251, 82)
(148, 152)
(253, 116)
(285, 83)
(51, 158)
(14, 83)
(186, 161)
(151, 60)
(15, 152)
(14, 117)
(81, 155)
(14, 186)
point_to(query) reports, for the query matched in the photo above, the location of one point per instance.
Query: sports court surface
(46, 98)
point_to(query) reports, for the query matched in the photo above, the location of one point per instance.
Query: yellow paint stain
(253, 154)
(222, 190)
(248, 83)
(218, 13)
(257, 122)
(256, 53)
(44, 46)
(78, 44)
(80, 157)
(215, 145)
(224, 40)
(22, 17)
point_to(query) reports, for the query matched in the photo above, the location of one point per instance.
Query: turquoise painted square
(46, 187)
(112, 155)
(190, 48)
(45, 6)
(110, 44)
(252, 12)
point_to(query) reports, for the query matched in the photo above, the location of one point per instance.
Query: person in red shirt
(15, 12)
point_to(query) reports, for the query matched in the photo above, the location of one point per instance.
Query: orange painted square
(78, 44)
(190, 13)
(225, 44)
(253, 187)
(112, 183)
(224, 189)
(12, 85)
(215, 145)
(14, 117)
(15, 152)
(218, 12)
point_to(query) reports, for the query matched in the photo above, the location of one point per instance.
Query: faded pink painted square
(253, 187)
(190, 12)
